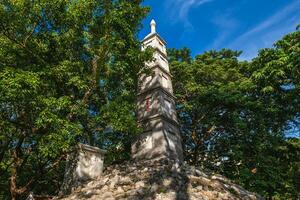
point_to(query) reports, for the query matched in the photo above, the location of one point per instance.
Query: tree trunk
(14, 190)
(13, 182)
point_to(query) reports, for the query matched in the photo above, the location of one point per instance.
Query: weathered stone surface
(139, 184)
(160, 180)
(84, 163)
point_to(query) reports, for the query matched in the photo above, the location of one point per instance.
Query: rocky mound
(159, 180)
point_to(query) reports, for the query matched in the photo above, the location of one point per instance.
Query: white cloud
(186, 5)
(179, 9)
(268, 31)
(226, 25)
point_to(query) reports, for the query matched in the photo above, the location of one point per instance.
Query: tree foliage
(235, 114)
(68, 73)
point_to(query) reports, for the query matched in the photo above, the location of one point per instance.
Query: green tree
(234, 114)
(182, 55)
(68, 71)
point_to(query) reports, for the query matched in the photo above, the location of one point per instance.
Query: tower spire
(153, 26)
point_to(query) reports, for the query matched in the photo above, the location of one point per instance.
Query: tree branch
(7, 34)
(31, 32)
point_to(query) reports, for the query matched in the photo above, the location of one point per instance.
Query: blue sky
(202, 25)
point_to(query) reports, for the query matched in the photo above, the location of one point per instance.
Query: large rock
(160, 180)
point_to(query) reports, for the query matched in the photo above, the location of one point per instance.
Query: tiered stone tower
(156, 107)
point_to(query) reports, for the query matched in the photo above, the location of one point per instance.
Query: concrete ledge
(91, 149)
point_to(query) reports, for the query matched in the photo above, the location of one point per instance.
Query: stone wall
(160, 180)
(84, 163)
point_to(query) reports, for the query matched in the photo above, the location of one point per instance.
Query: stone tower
(156, 106)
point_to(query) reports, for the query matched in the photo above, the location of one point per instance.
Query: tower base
(162, 141)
